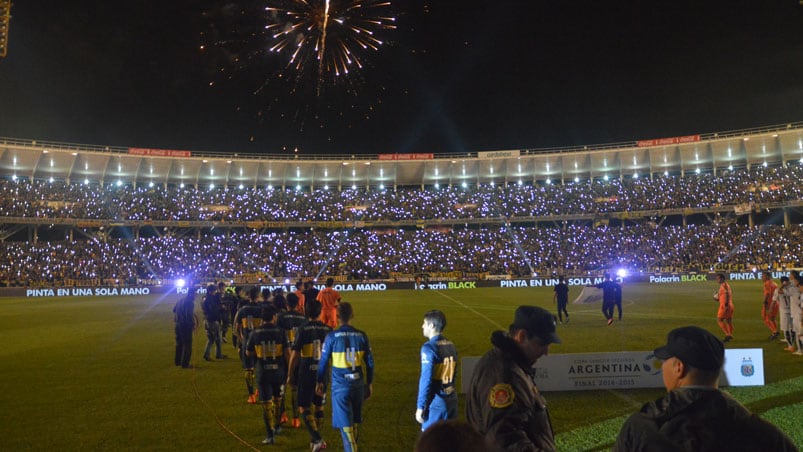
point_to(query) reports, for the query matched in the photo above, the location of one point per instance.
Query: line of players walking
(784, 302)
(286, 345)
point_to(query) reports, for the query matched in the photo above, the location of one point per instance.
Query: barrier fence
(166, 288)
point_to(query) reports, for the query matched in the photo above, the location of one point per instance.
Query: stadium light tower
(5, 18)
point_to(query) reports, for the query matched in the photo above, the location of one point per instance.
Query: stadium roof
(76, 163)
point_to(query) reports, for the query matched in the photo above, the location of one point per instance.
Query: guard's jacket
(699, 419)
(504, 404)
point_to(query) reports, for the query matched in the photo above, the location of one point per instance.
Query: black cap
(538, 322)
(695, 347)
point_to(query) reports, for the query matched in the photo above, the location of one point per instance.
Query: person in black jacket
(212, 322)
(503, 403)
(611, 292)
(695, 415)
(186, 322)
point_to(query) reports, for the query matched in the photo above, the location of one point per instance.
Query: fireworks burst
(332, 34)
(304, 61)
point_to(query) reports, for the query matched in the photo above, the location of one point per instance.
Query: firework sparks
(288, 52)
(332, 34)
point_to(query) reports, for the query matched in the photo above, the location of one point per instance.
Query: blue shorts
(441, 408)
(347, 406)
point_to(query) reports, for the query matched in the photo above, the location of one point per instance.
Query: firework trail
(333, 34)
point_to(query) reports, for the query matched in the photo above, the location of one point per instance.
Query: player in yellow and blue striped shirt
(348, 351)
(268, 346)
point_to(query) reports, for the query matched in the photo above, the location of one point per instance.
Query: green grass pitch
(98, 373)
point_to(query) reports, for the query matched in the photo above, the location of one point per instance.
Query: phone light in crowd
(622, 273)
(287, 280)
(181, 282)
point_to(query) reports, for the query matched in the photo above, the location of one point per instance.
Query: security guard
(503, 403)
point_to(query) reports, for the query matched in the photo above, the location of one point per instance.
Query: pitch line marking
(219, 421)
(466, 307)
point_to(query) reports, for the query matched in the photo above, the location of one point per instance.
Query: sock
(249, 380)
(281, 406)
(349, 441)
(294, 401)
(278, 408)
(311, 423)
(269, 416)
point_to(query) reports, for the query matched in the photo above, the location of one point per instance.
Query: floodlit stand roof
(77, 163)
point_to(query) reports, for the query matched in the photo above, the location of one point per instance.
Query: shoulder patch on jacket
(502, 396)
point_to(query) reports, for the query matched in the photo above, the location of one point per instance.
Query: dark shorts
(270, 384)
(248, 361)
(306, 391)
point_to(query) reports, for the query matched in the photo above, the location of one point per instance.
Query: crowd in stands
(364, 254)
(75, 200)
(491, 248)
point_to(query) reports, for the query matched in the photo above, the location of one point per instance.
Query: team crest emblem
(502, 396)
(747, 367)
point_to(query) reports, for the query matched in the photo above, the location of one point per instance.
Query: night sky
(454, 76)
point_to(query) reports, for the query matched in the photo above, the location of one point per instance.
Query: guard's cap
(538, 322)
(695, 347)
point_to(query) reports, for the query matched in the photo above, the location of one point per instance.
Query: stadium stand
(54, 232)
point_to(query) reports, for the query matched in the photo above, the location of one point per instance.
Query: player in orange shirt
(301, 299)
(725, 312)
(769, 311)
(330, 299)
